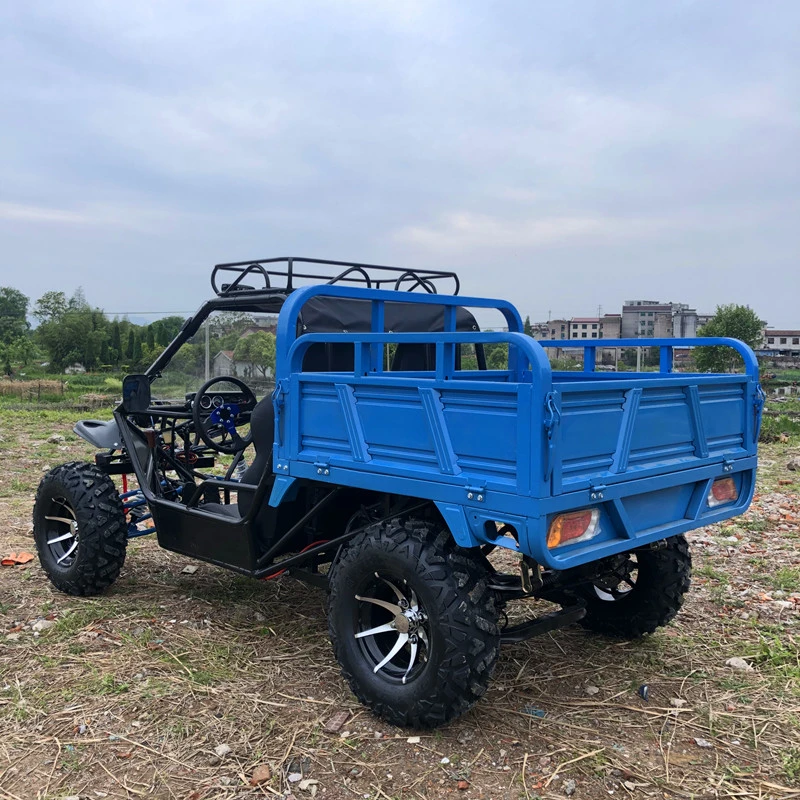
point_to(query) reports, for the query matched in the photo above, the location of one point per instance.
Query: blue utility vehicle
(424, 485)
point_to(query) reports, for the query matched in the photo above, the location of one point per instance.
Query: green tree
(13, 312)
(736, 322)
(151, 337)
(226, 322)
(131, 348)
(51, 306)
(168, 329)
(496, 356)
(22, 350)
(115, 356)
(71, 330)
(527, 328)
(258, 349)
(78, 301)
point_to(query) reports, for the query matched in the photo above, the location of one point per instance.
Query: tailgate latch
(552, 417)
(759, 397)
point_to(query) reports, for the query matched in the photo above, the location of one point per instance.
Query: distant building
(611, 326)
(640, 319)
(585, 328)
(646, 319)
(267, 327)
(656, 320)
(224, 364)
(703, 319)
(782, 343)
(557, 329)
(685, 321)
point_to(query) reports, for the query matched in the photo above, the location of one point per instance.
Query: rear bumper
(640, 512)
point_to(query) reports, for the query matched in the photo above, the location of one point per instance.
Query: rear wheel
(413, 623)
(635, 593)
(79, 528)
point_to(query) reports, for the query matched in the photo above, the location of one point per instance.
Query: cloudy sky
(568, 155)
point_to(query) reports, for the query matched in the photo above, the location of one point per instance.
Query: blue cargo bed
(518, 446)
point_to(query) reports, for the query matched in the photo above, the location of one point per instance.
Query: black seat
(262, 428)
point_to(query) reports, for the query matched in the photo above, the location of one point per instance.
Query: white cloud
(23, 213)
(465, 231)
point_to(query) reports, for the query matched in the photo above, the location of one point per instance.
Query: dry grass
(30, 390)
(129, 694)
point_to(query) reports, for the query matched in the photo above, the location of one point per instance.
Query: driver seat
(262, 429)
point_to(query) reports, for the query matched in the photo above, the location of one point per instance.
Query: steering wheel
(221, 419)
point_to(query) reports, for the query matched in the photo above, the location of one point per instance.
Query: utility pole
(207, 349)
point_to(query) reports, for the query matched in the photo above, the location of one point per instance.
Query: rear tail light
(723, 490)
(577, 526)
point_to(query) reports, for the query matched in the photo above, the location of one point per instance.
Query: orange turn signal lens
(577, 526)
(723, 490)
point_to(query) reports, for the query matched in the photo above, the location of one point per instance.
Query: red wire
(307, 547)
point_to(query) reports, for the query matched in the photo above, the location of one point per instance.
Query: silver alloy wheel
(62, 538)
(400, 640)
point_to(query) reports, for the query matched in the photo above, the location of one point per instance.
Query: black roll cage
(237, 296)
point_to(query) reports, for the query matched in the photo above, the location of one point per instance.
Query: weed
(756, 526)
(780, 655)
(791, 765)
(707, 571)
(108, 684)
(787, 578)
(76, 620)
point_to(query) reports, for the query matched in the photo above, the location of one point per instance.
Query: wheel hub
(401, 653)
(63, 543)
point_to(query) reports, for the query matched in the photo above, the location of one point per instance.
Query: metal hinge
(323, 466)
(597, 492)
(476, 493)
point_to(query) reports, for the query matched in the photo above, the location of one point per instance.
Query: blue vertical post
(665, 358)
(378, 326)
(589, 358)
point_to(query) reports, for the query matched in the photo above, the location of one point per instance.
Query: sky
(564, 155)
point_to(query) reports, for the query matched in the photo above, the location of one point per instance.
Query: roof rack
(372, 276)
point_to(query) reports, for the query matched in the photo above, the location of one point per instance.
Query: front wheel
(635, 593)
(79, 528)
(412, 622)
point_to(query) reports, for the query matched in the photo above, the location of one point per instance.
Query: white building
(224, 364)
(785, 343)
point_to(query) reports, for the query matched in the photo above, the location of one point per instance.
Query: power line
(148, 313)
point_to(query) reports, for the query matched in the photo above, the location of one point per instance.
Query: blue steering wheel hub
(226, 415)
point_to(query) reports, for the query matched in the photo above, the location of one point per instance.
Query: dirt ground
(178, 685)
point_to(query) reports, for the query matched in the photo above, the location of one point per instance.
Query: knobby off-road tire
(448, 608)
(662, 580)
(83, 557)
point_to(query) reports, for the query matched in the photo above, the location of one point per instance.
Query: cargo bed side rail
(666, 350)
